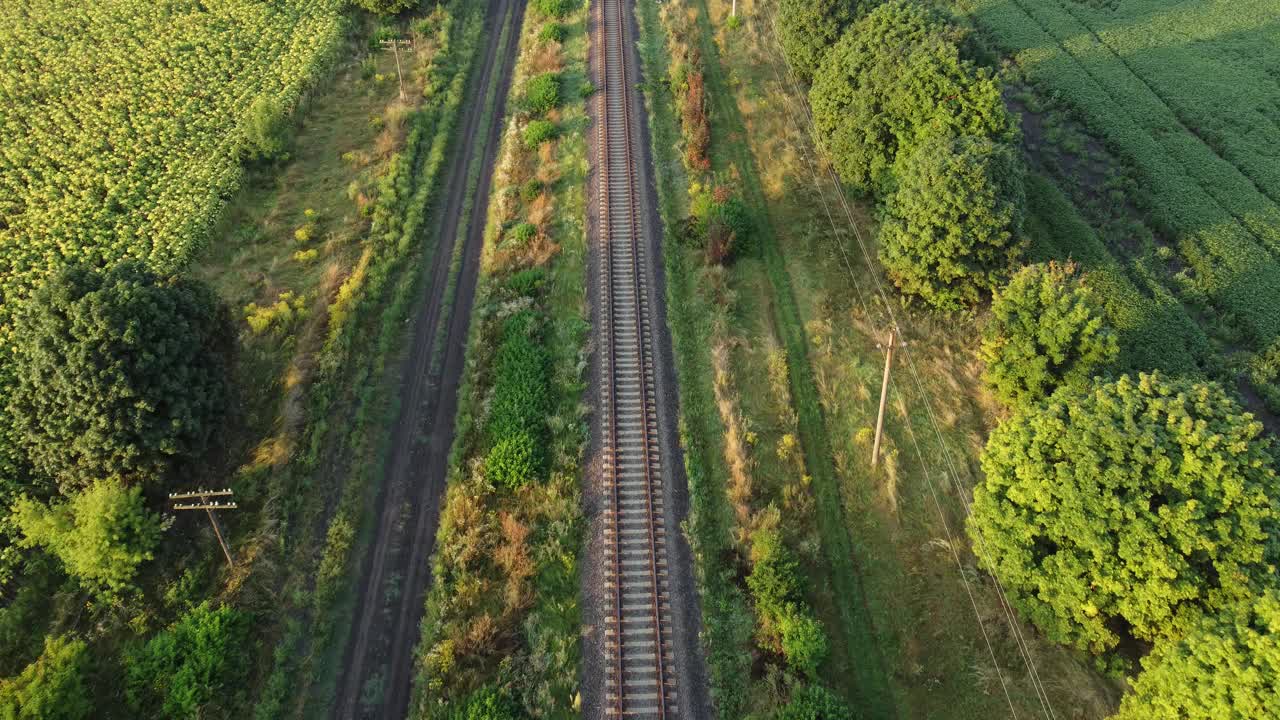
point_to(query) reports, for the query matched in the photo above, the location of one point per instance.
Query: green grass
(1146, 77)
(855, 655)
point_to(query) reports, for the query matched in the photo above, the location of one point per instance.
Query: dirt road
(396, 572)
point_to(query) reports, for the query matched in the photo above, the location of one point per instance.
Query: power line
(1023, 646)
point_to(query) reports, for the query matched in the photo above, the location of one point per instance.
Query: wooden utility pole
(884, 395)
(204, 502)
(395, 44)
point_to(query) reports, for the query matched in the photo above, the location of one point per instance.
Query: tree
(1046, 330)
(1226, 668)
(542, 94)
(51, 688)
(895, 77)
(814, 702)
(806, 28)
(950, 231)
(186, 667)
(118, 374)
(385, 7)
(101, 535)
(265, 130)
(1127, 508)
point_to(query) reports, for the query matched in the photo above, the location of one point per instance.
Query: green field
(1185, 96)
(123, 121)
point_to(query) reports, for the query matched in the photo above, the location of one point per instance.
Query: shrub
(384, 7)
(513, 461)
(182, 671)
(814, 702)
(806, 28)
(1046, 330)
(1127, 507)
(950, 230)
(775, 574)
(1226, 668)
(553, 32)
(542, 94)
(531, 189)
(51, 688)
(487, 703)
(521, 234)
(804, 642)
(538, 132)
(118, 373)
(266, 130)
(893, 78)
(101, 535)
(304, 233)
(527, 282)
(554, 8)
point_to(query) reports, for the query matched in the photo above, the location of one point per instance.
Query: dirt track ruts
(386, 630)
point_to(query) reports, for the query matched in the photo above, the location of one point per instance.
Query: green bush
(538, 132)
(528, 282)
(721, 224)
(191, 667)
(1046, 330)
(266, 130)
(553, 32)
(1226, 668)
(531, 189)
(487, 703)
(555, 8)
(814, 702)
(51, 688)
(542, 94)
(804, 642)
(513, 461)
(384, 7)
(118, 374)
(522, 233)
(101, 535)
(775, 574)
(1129, 507)
(950, 231)
(895, 77)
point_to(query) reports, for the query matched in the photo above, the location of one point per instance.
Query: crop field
(1187, 95)
(124, 120)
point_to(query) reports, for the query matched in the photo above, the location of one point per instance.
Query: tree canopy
(384, 7)
(118, 373)
(101, 534)
(1226, 668)
(806, 28)
(895, 77)
(1046, 330)
(182, 669)
(950, 231)
(51, 688)
(1128, 507)
(814, 702)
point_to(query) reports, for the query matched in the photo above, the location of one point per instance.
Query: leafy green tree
(554, 8)
(118, 373)
(1226, 668)
(806, 28)
(266, 130)
(513, 461)
(1127, 508)
(51, 688)
(804, 642)
(950, 231)
(101, 534)
(184, 669)
(1046, 330)
(814, 702)
(895, 77)
(775, 574)
(385, 7)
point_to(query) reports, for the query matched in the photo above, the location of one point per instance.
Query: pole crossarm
(206, 506)
(200, 494)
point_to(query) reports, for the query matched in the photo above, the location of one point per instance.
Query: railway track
(640, 680)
